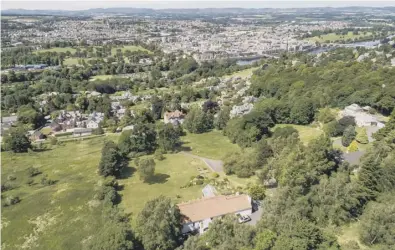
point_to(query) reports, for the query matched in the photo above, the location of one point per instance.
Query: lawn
(59, 50)
(71, 61)
(243, 73)
(212, 145)
(306, 133)
(333, 37)
(129, 47)
(60, 216)
(170, 174)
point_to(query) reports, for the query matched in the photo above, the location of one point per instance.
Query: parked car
(244, 218)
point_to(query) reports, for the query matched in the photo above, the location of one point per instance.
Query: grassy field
(60, 216)
(306, 133)
(70, 61)
(243, 73)
(212, 145)
(333, 37)
(102, 77)
(113, 50)
(59, 50)
(129, 47)
(170, 174)
(349, 233)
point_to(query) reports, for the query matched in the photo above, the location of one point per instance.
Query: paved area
(255, 216)
(214, 165)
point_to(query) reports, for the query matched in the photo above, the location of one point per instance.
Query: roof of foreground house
(210, 207)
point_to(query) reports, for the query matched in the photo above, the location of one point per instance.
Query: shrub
(30, 182)
(199, 182)
(362, 136)
(11, 177)
(33, 171)
(159, 156)
(47, 182)
(214, 175)
(353, 147)
(11, 200)
(53, 140)
(6, 187)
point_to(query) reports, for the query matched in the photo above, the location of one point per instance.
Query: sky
(161, 4)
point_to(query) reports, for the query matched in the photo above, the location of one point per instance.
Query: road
(214, 165)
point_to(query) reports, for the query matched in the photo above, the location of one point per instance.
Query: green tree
(125, 143)
(378, 222)
(265, 240)
(302, 111)
(17, 141)
(348, 136)
(197, 121)
(222, 119)
(111, 162)
(159, 224)
(168, 137)
(146, 168)
(326, 115)
(257, 192)
(362, 136)
(228, 234)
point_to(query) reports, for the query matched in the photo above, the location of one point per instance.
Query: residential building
(175, 118)
(198, 214)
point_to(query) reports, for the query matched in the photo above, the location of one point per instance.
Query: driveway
(256, 215)
(214, 165)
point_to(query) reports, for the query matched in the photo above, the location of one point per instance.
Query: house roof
(214, 206)
(175, 114)
(9, 119)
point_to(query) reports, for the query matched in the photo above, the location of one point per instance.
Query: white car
(244, 218)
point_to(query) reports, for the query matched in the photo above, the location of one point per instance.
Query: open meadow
(334, 37)
(211, 145)
(306, 133)
(58, 216)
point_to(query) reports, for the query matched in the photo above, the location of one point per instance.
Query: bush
(11, 200)
(159, 156)
(353, 147)
(199, 182)
(214, 175)
(33, 171)
(107, 193)
(11, 177)
(53, 140)
(6, 187)
(362, 136)
(30, 182)
(47, 182)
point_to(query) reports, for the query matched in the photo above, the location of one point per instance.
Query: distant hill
(147, 11)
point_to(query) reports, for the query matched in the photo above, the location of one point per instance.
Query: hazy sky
(161, 4)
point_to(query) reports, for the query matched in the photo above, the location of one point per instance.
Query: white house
(92, 124)
(362, 118)
(198, 214)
